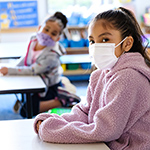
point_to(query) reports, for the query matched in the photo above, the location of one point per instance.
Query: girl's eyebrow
(47, 27)
(106, 33)
(55, 31)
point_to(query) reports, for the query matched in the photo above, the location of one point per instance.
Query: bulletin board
(18, 14)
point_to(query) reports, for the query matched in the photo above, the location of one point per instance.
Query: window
(65, 5)
(80, 12)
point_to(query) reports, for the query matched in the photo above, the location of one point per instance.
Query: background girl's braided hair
(124, 20)
(60, 18)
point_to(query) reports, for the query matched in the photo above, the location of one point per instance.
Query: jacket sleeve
(78, 113)
(109, 121)
(45, 63)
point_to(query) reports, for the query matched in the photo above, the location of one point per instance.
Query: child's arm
(80, 108)
(39, 67)
(20, 62)
(106, 123)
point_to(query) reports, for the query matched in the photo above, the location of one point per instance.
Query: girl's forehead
(97, 27)
(54, 25)
(101, 26)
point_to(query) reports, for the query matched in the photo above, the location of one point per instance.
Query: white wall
(139, 7)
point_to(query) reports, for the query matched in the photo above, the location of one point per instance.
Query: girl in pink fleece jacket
(117, 110)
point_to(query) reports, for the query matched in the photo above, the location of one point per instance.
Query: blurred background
(16, 14)
(19, 19)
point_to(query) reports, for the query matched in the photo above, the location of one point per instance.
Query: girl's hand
(4, 70)
(38, 125)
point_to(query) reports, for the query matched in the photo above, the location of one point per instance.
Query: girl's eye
(91, 42)
(54, 34)
(46, 30)
(105, 40)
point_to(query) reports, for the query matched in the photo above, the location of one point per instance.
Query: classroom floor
(7, 101)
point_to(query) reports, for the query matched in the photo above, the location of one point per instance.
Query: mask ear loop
(121, 42)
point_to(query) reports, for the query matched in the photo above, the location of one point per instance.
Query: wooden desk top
(19, 135)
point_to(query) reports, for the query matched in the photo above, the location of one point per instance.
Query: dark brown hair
(58, 16)
(123, 20)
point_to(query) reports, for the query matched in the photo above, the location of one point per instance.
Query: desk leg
(29, 105)
(22, 97)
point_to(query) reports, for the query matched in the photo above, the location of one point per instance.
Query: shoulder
(128, 74)
(33, 36)
(59, 49)
(98, 74)
(127, 84)
(49, 57)
(126, 79)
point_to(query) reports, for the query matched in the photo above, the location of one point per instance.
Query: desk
(12, 50)
(24, 85)
(19, 135)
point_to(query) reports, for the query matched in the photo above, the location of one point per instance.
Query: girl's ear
(128, 43)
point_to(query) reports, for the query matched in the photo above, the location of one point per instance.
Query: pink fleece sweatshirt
(117, 110)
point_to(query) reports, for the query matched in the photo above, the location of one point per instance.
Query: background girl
(42, 58)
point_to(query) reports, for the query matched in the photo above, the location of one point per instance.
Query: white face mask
(103, 54)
